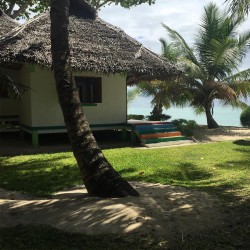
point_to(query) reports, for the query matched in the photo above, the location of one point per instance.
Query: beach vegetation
(186, 127)
(245, 117)
(210, 66)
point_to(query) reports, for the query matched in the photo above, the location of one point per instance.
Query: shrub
(245, 117)
(135, 117)
(185, 126)
(158, 117)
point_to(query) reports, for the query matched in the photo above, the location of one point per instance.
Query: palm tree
(99, 177)
(209, 65)
(164, 93)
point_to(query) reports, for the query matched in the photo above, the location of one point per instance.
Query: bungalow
(103, 61)
(8, 106)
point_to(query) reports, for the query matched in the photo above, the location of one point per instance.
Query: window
(90, 89)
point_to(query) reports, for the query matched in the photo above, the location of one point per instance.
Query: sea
(225, 116)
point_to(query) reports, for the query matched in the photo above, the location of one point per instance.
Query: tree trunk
(157, 110)
(98, 175)
(211, 123)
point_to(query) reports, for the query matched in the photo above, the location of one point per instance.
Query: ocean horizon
(225, 116)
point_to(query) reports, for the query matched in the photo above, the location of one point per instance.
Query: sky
(144, 22)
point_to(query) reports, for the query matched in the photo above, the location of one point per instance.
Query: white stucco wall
(8, 107)
(45, 108)
(113, 108)
(46, 111)
(25, 101)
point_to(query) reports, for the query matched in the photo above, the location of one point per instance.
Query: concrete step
(154, 126)
(154, 130)
(159, 135)
(164, 139)
(169, 144)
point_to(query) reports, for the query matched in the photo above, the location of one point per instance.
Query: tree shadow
(242, 142)
(39, 177)
(12, 145)
(161, 209)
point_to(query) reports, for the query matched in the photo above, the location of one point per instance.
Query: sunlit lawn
(221, 168)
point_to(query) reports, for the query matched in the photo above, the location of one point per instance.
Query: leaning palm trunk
(211, 123)
(98, 175)
(157, 110)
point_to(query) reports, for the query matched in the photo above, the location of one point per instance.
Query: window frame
(92, 87)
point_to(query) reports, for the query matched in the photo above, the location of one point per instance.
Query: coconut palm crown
(210, 64)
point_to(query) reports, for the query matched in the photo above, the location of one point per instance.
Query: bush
(156, 117)
(185, 126)
(135, 117)
(245, 117)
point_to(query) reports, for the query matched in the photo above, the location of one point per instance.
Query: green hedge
(135, 117)
(185, 126)
(245, 117)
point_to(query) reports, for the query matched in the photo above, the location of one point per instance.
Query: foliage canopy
(23, 8)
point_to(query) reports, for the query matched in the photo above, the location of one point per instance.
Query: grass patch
(221, 168)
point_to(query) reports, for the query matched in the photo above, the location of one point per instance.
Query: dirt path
(162, 209)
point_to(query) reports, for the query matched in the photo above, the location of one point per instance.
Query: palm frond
(222, 91)
(169, 51)
(180, 44)
(234, 104)
(194, 70)
(242, 89)
(239, 7)
(132, 94)
(198, 110)
(14, 88)
(240, 83)
(226, 58)
(242, 76)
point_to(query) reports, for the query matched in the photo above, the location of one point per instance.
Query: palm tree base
(108, 183)
(211, 123)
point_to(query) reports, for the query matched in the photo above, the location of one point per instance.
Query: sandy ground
(226, 133)
(161, 209)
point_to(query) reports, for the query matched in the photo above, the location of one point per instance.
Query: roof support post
(35, 138)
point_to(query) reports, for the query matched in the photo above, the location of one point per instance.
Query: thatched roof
(6, 23)
(95, 45)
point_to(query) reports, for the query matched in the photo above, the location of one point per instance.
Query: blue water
(225, 116)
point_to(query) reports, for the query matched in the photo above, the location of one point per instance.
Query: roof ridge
(118, 29)
(20, 28)
(115, 28)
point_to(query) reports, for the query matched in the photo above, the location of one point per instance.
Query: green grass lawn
(222, 169)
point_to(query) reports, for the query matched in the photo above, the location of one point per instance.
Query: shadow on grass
(39, 177)
(242, 142)
(182, 172)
